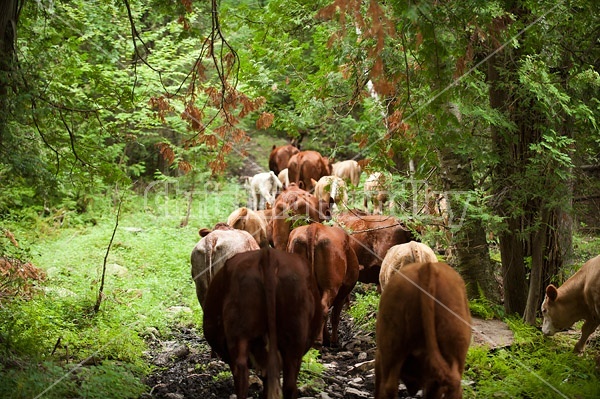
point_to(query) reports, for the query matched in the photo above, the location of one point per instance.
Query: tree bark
(508, 148)
(470, 253)
(9, 13)
(536, 276)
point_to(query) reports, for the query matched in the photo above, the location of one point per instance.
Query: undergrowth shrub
(364, 308)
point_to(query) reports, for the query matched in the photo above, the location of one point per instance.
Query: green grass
(148, 279)
(533, 367)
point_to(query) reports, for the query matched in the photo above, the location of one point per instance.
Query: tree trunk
(8, 36)
(470, 250)
(513, 268)
(536, 276)
(508, 147)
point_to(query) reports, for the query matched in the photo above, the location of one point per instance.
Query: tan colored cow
(423, 332)
(211, 252)
(401, 255)
(332, 190)
(252, 222)
(376, 190)
(578, 298)
(348, 170)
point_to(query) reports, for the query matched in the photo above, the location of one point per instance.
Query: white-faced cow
(335, 266)
(211, 252)
(332, 190)
(263, 189)
(348, 170)
(262, 310)
(376, 190)
(252, 222)
(401, 255)
(423, 332)
(577, 299)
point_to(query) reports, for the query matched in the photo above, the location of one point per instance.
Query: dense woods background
(495, 105)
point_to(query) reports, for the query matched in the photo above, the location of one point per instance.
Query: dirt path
(186, 370)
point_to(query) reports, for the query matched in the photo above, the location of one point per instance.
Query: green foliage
(534, 366)
(364, 309)
(311, 370)
(147, 278)
(485, 309)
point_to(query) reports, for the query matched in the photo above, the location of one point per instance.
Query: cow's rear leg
(336, 312)
(239, 368)
(291, 368)
(326, 299)
(387, 377)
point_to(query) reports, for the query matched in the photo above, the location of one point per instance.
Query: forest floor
(185, 369)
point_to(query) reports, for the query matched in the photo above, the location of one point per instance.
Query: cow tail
(211, 249)
(414, 254)
(437, 364)
(310, 247)
(269, 273)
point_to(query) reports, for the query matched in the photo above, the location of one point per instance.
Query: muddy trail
(184, 368)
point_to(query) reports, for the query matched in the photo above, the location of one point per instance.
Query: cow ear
(301, 184)
(204, 232)
(551, 292)
(313, 181)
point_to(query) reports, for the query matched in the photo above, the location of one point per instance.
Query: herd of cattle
(268, 279)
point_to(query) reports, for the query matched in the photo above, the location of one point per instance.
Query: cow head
(219, 226)
(324, 210)
(555, 315)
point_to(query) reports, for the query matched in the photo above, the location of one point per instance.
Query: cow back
(307, 165)
(211, 252)
(370, 237)
(334, 264)
(280, 156)
(294, 204)
(423, 332)
(266, 301)
(401, 255)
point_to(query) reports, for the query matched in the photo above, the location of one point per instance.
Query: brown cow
(252, 222)
(211, 252)
(262, 310)
(423, 332)
(307, 165)
(401, 255)
(280, 156)
(348, 170)
(371, 237)
(292, 205)
(578, 298)
(334, 265)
